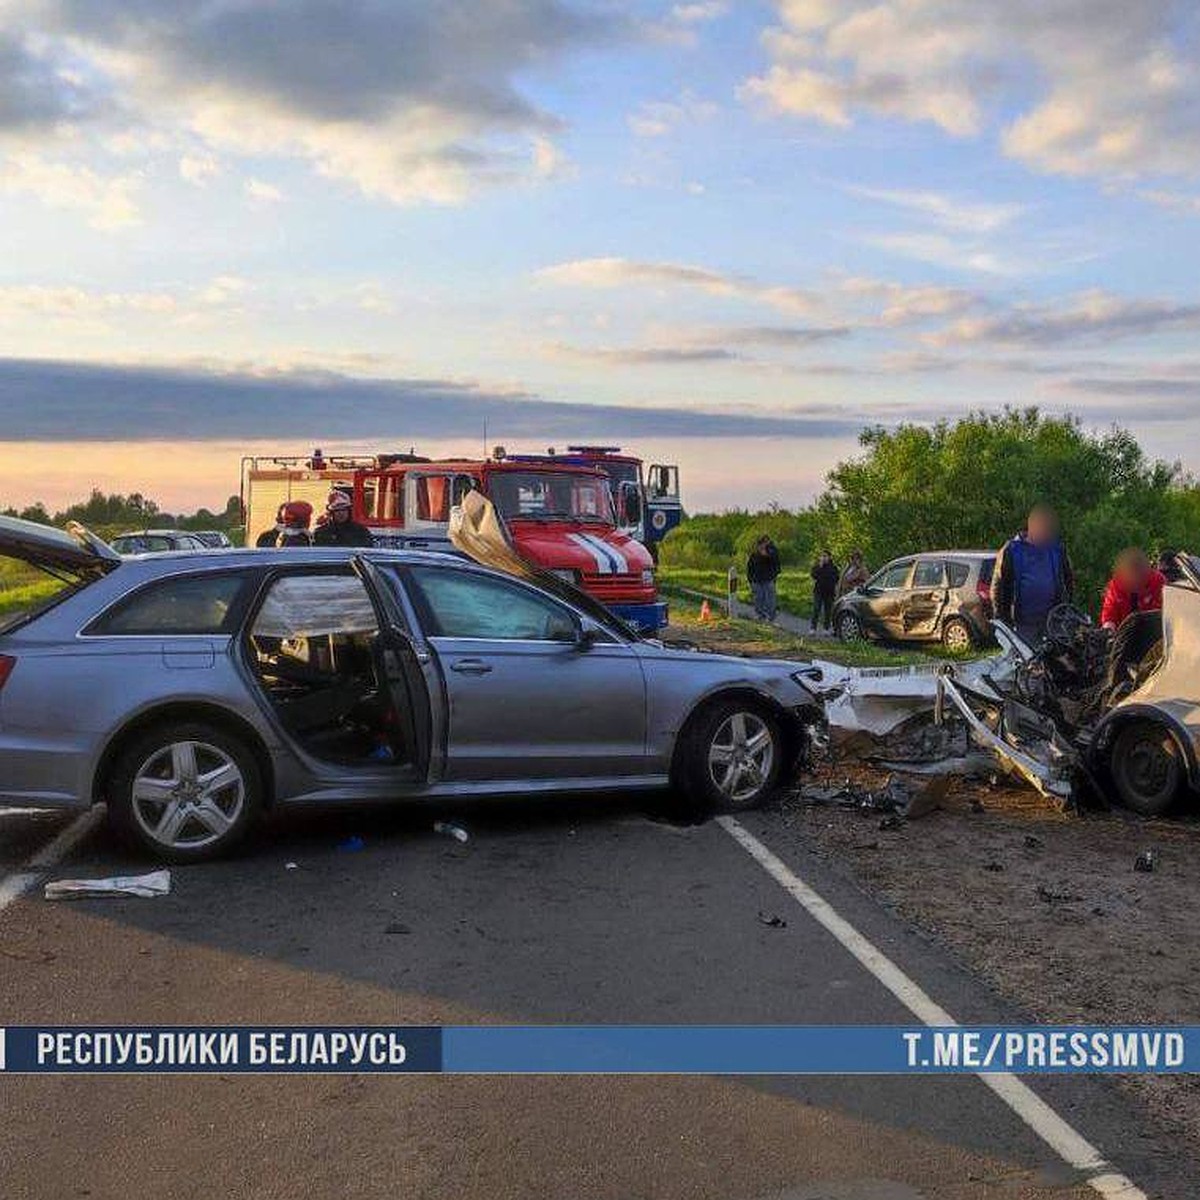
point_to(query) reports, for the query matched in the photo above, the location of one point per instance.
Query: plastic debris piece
(1050, 896)
(771, 920)
(448, 829)
(1146, 861)
(352, 844)
(157, 883)
(292, 866)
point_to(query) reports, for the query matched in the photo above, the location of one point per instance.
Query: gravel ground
(1046, 908)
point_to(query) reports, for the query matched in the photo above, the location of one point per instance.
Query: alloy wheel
(956, 637)
(741, 756)
(188, 794)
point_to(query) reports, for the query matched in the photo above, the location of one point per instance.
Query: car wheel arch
(215, 714)
(787, 721)
(1124, 715)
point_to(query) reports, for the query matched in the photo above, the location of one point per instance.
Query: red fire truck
(557, 516)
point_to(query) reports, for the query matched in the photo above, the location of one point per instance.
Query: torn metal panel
(878, 700)
(1041, 775)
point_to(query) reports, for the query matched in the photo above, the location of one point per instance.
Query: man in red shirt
(1135, 586)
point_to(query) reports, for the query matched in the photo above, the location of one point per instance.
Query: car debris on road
(156, 883)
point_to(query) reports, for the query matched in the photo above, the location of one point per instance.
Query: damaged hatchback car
(193, 690)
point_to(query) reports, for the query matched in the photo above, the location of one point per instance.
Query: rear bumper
(648, 618)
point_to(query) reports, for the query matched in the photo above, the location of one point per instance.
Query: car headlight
(566, 575)
(809, 678)
(647, 578)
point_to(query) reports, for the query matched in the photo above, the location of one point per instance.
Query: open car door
(405, 678)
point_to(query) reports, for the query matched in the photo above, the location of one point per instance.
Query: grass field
(754, 637)
(793, 589)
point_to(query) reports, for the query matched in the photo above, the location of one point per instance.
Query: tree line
(109, 515)
(967, 485)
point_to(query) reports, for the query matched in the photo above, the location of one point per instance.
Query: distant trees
(968, 484)
(111, 514)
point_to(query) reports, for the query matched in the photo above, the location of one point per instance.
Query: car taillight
(7, 662)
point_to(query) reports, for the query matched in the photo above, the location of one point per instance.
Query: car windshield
(548, 495)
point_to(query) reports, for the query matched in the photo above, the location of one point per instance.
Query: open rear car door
(405, 678)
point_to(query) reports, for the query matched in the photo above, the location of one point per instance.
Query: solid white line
(1070, 1145)
(14, 886)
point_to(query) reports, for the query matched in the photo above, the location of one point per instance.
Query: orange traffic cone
(705, 612)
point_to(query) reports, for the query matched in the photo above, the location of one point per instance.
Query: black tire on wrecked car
(1147, 767)
(184, 791)
(730, 757)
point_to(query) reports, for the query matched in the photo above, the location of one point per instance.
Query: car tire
(1146, 767)
(185, 791)
(957, 636)
(849, 628)
(730, 758)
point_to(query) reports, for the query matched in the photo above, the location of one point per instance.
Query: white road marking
(1070, 1145)
(14, 886)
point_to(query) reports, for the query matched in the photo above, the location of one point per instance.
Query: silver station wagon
(190, 691)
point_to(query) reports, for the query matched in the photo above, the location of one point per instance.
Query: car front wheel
(185, 791)
(732, 757)
(849, 628)
(1147, 768)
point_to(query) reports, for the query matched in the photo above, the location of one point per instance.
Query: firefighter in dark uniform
(339, 527)
(291, 527)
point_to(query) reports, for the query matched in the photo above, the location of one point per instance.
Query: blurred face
(341, 515)
(1043, 527)
(1133, 569)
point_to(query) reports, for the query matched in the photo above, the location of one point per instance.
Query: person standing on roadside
(340, 527)
(855, 574)
(1135, 586)
(825, 576)
(762, 569)
(1032, 575)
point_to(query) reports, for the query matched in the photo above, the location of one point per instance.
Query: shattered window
(306, 606)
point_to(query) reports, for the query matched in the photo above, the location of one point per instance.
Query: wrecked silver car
(1086, 713)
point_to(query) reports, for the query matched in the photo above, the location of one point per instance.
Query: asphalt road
(584, 911)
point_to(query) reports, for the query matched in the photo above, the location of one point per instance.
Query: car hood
(76, 549)
(594, 549)
(766, 671)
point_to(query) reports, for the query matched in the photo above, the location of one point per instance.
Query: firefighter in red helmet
(291, 526)
(339, 528)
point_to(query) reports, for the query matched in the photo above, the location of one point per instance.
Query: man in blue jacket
(1032, 575)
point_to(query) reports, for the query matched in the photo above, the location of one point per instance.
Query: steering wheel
(1065, 623)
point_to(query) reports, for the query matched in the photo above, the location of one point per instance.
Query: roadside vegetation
(957, 485)
(756, 638)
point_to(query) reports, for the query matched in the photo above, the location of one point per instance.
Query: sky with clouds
(725, 233)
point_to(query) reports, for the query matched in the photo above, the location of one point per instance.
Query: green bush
(963, 485)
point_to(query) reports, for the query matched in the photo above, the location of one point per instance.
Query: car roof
(231, 557)
(953, 554)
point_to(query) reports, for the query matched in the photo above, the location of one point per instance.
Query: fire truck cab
(647, 500)
(557, 516)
